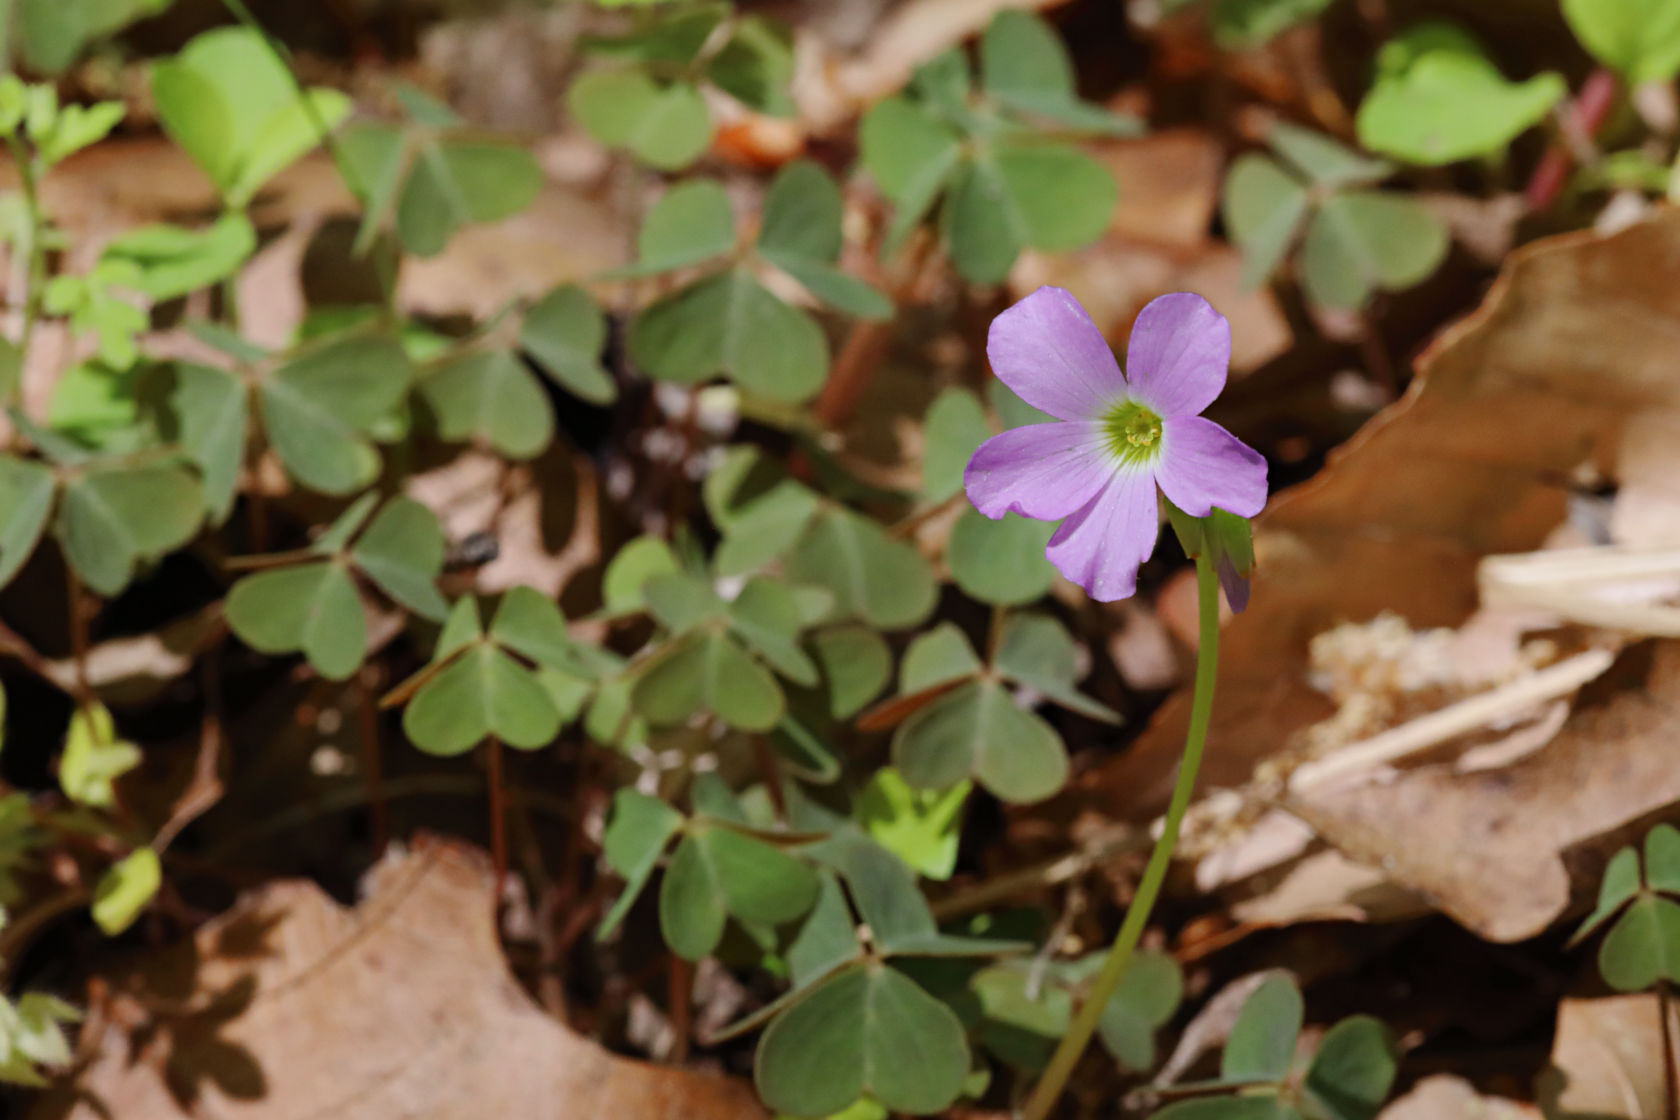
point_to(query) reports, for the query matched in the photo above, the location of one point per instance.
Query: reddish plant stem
(765, 758)
(1586, 116)
(373, 772)
(682, 1017)
(78, 632)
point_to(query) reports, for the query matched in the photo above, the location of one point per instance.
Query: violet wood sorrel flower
(1117, 436)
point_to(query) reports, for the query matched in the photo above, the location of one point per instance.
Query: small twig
(205, 788)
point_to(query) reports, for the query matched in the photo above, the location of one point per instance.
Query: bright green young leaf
(1262, 1042)
(1354, 1069)
(664, 125)
(729, 324)
(1639, 39)
(921, 827)
(127, 887)
(490, 395)
(874, 577)
(112, 520)
(978, 730)
(1361, 240)
(171, 261)
(1439, 99)
(36, 1033)
(636, 835)
(1147, 997)
(402, 551)
(316, 408)
(94, 758)
(26, 499)
(868, 1030)
(565, 334)
(708, 672)
(482, 692)
(954, 428)
(230, 103)
(1000, 562)
(1643, 946)
(310, 608)
(855, 663)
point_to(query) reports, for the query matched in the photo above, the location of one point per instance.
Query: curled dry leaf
(290, 1005)
(1574, 343)
(1444, 1097)
(1607, 1059)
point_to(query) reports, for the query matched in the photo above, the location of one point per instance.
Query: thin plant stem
(498, 812)
(373, 770)
(1072, 1046)
(78, 620)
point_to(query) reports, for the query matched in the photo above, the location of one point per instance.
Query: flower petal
(1203, 466)
(1045, 471)
(1047, 349)
(1176, 360)
(1101, 546)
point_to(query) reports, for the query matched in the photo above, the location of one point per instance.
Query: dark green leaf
(935, 657)
(666, 126)
(636, 835)
(954, 429)
(855, 662)
(482, 692)
(1643, 946)
(1325, 161)
(1620, 883)
(490, 395)
(708, 672)
(531, 624)
(205, 412)
(402, 551)
(311, 608)
(316, 408)
(452, 183)
(1354, 1069)
(1148, 995)
(1021, 1026)
(1262, 1042)
(1243, 24)
(978, 730)
(835, 288)
(873, 576)
(756, 66)
(1263, 206)
(1662, 858)
(628, 572)
(1000, 562)
(826, 939)
(690, 224)
(766, 616)
(26, 499)
(112, 520)
(802, 214)
(1037, 652)
(565, 333)
(691, 910)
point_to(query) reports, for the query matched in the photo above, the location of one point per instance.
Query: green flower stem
(34, 252)
(1072, 1046)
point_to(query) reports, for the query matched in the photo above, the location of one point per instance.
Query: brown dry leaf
(1607, 1060)
(1577, 337)
(290, 1006)
(1170, 186)
(1444, 1097)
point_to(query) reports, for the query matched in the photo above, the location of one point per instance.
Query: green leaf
(230, 103)
(1024, 65)
(1324, 161)
(1438, 99)
(459, 182)
(978, 730)
(127, 887)
(530, 624)
(911, 155)
(316, 408)
(1354, 1069)
(1037, 652)
(766, 616)
(805, 752)
(1263, 206)
(664, 125)
(1639, 39)
(681, 601)
(112, 520)
(565, 334)
(205, 412)
(1000, 562)
(690, 224)
(1620, 883)
(1046, 196)
(1148, 995)
(756, 66)
(1017, 1024)
(1662, 859)
(759, 881)
(873, 576)
(171, 261)
(460, 629)
(1229, 1108)
(402, 551)
(37, 1034)
(954, 428)
(1262, 1042)
(674, 38)
(935, 657)
(1643, 946)
(1240, 24)
(1362, 240)
(835, 288)
(336, 537)
(482, 692)
(26, 499)
(855, 663)
(490, 395)
(760, 511)
(708, 672)
(630, 569)
(922, 828)
(636, 835)
(691, 910)
(311, 608)
(728, 324)
(802, 214)
(866, 1030)
(94, 758)
(826, 939)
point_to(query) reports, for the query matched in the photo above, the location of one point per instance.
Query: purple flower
(1117, 437)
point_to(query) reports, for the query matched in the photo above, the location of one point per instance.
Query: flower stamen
(1133, 432)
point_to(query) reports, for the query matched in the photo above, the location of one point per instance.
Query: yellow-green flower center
(1134, 432)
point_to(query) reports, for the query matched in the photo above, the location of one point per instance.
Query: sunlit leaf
(125, 889)
(94, 757)
(1639, 39)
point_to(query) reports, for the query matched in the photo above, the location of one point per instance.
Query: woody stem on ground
(1078, 1036)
